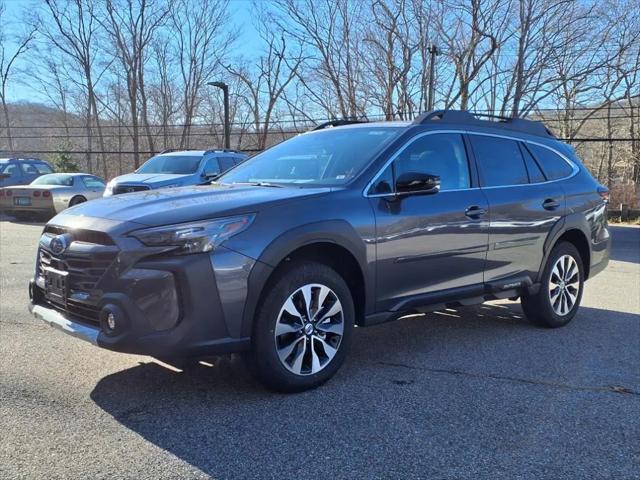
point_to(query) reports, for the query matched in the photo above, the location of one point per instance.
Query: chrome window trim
(574, 167)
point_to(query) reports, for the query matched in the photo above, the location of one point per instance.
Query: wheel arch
(575, 230)
(335, 243)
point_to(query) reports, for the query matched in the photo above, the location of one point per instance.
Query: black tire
(539, 307)
(77, 200)
(263, 360)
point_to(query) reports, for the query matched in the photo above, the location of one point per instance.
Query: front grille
(129, 189)
(84, 269)
(86, 260)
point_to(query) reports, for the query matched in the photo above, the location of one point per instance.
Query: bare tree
(131, 24)
(266, 82)
(70, 26)
(201, 42)
(7, 63)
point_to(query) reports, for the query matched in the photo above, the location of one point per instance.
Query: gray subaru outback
(342, 226)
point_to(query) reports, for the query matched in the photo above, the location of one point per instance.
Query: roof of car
(198, 153)
(14, 159)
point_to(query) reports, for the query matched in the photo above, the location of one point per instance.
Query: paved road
(470, 393)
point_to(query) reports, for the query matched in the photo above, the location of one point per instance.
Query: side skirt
(511, 288)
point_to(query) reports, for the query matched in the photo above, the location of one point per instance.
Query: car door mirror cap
(413, 183)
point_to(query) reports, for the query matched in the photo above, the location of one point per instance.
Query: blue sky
(240, 11)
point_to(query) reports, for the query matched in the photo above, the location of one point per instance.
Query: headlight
(194, 237)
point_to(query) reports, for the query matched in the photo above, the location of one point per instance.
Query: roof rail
(168, 150)
(337, 123)
(227, 150)
(531, 127)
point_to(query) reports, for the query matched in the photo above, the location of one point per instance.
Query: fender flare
(338, 232)
(574, 221)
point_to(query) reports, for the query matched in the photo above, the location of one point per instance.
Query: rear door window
(553, 165)
(30, 169)
(500, 161)
(226, 163)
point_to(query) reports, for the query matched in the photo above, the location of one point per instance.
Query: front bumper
(59, 321)
(163, 306)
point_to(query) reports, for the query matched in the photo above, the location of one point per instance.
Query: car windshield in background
(173, 164)
(54, 179)
(330, 157)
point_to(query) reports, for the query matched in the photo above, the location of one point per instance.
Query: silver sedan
(50, 194)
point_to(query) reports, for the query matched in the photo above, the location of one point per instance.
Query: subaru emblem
(58, 244)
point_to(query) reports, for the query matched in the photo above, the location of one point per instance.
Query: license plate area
(56, 285)
(22, 201)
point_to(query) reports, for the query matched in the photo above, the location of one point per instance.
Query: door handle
(550, 204)
(475, 211)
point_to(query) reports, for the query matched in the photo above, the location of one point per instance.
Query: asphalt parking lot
(470, 393)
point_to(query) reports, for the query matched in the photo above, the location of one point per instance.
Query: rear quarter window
(552, 164)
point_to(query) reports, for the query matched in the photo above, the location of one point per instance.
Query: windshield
(175, 164)
(330, 157)
(54, 179)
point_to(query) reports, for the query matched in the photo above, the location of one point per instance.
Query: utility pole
(227, 126)
(433, 50)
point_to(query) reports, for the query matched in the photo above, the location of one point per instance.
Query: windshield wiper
(258, 184)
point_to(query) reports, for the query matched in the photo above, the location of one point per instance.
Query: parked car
(22, 171)
(351, 225)
(176, 169)
(50, 194)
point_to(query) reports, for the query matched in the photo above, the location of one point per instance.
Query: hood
(185, 204)
(151, 179)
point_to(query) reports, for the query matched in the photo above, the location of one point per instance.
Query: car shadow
(34, 220)
(216, 418)
(626, 243)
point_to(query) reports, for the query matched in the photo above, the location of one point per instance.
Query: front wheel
(78, 199)
(303, 328)
(558, 299)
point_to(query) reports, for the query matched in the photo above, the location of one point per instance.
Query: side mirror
(4, 176)
(210, 175)
(415, 182)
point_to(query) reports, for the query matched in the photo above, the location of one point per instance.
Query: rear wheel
(303, 328)
(558, 299)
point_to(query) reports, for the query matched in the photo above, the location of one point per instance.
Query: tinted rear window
(499, 160)
(553, 165)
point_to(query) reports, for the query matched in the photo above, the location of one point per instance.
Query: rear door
(523, 207)
(428, 243)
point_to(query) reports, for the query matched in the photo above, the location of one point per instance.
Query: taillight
(46, 193)
(604, 193)
(36, 193)
(1, 193)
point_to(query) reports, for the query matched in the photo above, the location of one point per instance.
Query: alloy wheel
(309, 329)
(564, 285)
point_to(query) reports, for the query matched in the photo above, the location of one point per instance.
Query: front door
(427, 243)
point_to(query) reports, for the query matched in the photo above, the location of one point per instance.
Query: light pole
(433, 51)
(227, 127)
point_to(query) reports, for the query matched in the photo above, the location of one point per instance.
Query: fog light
(113, 320)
